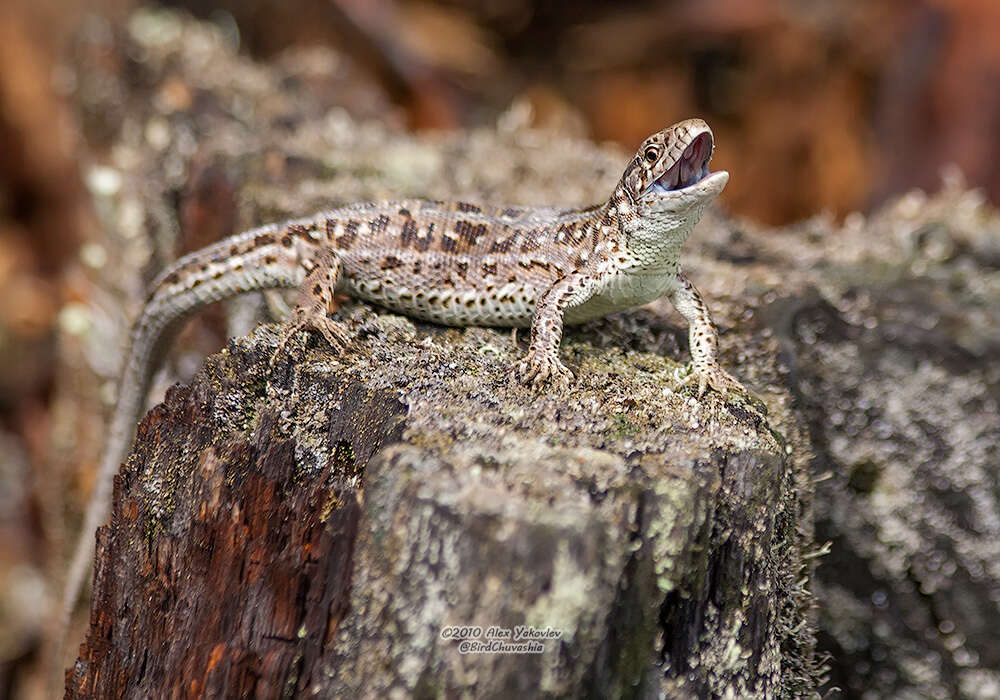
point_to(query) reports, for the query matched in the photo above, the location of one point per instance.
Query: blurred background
(818, 107)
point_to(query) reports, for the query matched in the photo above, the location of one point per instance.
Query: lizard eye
(651, 154)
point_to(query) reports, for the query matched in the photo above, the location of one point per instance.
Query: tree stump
(322, 529)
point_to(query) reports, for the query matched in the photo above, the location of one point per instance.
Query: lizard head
(670, 174)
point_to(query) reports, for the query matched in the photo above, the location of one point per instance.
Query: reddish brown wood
(232, 577)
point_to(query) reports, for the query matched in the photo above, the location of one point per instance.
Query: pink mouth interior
(689, 169)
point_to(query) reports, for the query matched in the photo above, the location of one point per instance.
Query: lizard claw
(712, 376)
(333, 332)
(538, 370)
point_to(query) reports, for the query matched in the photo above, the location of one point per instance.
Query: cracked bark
(311, 530)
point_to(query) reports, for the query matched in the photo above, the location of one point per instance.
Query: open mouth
(690, 168)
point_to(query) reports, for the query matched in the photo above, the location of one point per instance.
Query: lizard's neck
(653, 237)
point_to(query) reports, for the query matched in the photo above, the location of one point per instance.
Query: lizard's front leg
(541, 365)
(703, 339)
(315, 301)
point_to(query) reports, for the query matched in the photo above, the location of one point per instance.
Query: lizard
(452, 263)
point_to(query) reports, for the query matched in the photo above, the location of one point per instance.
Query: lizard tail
(247, 262)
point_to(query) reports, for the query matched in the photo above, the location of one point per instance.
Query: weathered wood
(225, 568)
(263, 543)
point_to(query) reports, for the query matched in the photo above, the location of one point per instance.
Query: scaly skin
(455, 264)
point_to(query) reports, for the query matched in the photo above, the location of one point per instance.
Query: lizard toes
(538, 371)
(715, 378)
(560, 376)
(287, 334)
(333, 332)
(525, 371)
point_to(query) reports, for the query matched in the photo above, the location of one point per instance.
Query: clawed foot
(333, 332)
(712, 376)
(538, 370)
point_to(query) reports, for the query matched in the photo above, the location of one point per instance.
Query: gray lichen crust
(654, 532)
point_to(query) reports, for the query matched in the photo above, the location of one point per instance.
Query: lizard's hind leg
(315, 300)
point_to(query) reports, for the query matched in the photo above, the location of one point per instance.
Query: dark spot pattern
(379, 224)
(467, 207)
(301, 230)
(568, 234)
(408, 236)
(532, 241)
(534, 262)
(468, 233)
(501, 245)
(391, 262)
(350, 234)
(425, 242)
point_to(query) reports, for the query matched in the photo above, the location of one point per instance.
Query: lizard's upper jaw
(689, 169)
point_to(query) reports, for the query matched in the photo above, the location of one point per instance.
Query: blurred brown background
(816, 107)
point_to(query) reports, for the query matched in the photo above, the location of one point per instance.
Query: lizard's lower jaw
(707, 188)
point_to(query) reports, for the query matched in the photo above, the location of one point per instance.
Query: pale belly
(508, 306)
(512, 305)
(623, 291)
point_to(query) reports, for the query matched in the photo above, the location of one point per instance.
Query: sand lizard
(454, 264)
